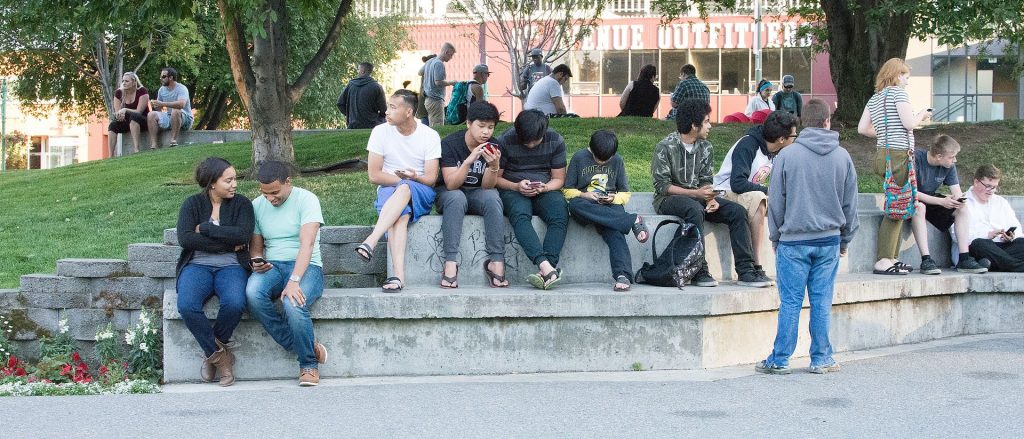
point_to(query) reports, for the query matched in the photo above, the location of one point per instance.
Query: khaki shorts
(750, 201)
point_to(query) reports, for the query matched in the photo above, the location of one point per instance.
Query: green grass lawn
(95, 209)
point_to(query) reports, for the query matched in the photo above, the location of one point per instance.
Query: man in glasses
(172, 108)
(993, 226)
(788, 98)
(744, 174)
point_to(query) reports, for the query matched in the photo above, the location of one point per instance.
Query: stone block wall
(89, 293)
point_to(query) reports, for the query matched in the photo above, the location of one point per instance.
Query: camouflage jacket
(672, 165)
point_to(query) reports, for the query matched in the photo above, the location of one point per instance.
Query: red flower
(19, 372)
(104, 370)
(66, 369)
(75, 357)
(12, 362)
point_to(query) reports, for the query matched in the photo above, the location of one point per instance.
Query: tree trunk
(857, 49)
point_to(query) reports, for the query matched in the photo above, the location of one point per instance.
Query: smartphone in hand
(258, 260)
(536, 184)
(491, 147)
(1011, 230)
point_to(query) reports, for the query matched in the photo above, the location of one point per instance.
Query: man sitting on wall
(993, 225)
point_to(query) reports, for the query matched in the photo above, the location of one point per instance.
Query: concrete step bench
(587, 327)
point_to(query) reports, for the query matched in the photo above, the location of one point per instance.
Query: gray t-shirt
(541, 94)
(931, 178)
(433, 71)
(533, 164)
(180, 92)
(586, 175)
(217, 260)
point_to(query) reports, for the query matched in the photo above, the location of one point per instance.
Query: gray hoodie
(813, 190)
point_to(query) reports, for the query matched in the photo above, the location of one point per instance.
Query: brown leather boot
(225, 364)
(209, 370)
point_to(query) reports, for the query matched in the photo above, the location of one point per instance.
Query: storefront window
(706, 63)
(736, 71)
(614, 72)
(796, 61)
(638, 59)
(586, 72)
(668, 72)
(771, 66)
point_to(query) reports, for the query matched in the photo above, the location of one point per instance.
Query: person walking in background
(788, 99)
(362, 102)
(760, 100)
(214, 229)
(597, 188)
(689, 87)
(421, 108)
(131, 106)
(641, 97)
(890, 119)
(812, 217)
(435, 83)
(532, 72)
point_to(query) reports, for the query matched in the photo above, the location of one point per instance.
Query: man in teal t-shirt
(286, 265)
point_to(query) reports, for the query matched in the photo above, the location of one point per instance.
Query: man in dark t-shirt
(469, 172)
(533, 171)
(937, 167)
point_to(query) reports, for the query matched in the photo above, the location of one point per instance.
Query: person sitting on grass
(597, 187)
(936, 167)
(469, 173)
(532, 172)
(403, 161)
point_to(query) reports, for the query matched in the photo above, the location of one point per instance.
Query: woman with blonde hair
(131, 104)
(890, 118)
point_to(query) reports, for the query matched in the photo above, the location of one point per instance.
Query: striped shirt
(886, 120)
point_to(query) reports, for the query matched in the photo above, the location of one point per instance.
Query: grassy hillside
(96, 209)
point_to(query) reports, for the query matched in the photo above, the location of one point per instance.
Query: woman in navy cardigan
(214, 228)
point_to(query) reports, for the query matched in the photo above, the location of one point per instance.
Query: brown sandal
(492, 276)
(453, 282)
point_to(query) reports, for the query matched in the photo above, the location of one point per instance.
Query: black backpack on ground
(679, 262)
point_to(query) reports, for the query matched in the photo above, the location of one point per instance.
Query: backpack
(679, 262)
(455, 112)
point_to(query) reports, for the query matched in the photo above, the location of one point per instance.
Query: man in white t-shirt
(403, 161)
(994, 225)
(546, 94)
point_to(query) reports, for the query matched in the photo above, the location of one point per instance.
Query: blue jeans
(551, 208)
(196, 284)
(611, 222)
(813, 269)
(293, 329)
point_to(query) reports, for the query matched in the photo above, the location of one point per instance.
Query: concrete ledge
(589, 328)
(92, 267)
(153, 253)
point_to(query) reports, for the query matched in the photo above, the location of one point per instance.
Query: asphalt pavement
(970, 386)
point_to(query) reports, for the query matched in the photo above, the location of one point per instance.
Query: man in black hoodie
(362, 102)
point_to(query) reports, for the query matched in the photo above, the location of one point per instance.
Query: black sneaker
(703, 279)
(771, 369)
(753, 279)
(969, 265)
(928, 266)
(760, 272)
(984, 262)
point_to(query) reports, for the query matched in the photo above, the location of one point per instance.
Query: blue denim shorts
(422, 198)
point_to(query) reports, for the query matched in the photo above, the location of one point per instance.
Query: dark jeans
(1005, 256)
(728, 213)
(611, 222)
(198, 283)
(551, 208)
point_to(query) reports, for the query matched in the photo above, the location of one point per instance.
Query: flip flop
(392, 281)
(620, 279)
(453, 282)
(492, 276)
(547, 281)
(365, 252)
(894, 270)
(639, 227)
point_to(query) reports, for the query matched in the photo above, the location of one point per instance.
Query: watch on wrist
(294, 278)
